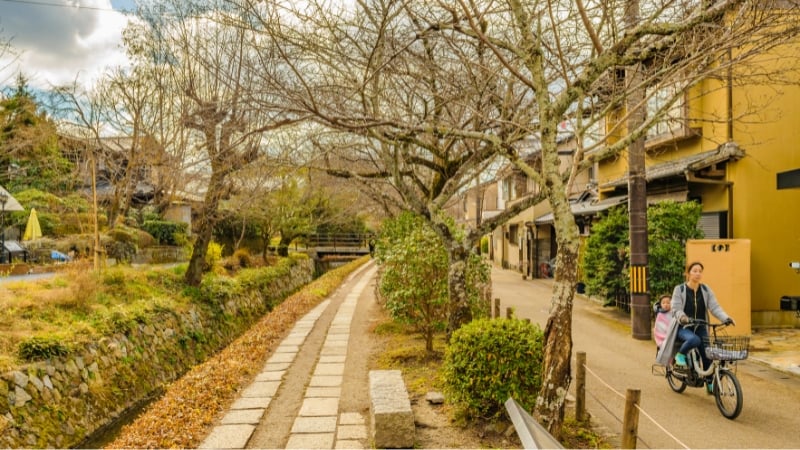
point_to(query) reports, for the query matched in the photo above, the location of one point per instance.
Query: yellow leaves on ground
(183, 416)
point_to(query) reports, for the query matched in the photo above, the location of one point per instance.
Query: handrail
(530, 432)
(335, 240)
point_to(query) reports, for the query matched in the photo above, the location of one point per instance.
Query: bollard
(496, 308)
(580, 387)
(509, 312)
(630, 423)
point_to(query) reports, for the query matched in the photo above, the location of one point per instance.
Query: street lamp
(3, 200)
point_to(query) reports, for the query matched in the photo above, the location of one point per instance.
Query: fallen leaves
(183, 416)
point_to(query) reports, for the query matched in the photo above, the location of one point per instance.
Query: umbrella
(11, 203)
(32, 230)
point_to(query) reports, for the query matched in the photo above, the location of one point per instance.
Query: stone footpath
(319, 424)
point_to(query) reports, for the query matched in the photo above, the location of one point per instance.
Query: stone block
(392, 424)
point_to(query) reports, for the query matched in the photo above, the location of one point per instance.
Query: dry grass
(78, 304)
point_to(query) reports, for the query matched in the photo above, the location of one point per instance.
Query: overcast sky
(60, 41)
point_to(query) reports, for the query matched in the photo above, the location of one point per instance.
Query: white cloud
(61, 44)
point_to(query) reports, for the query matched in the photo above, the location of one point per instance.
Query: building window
(668, 105)
(714, 225)
(513, 234)
(509, 188)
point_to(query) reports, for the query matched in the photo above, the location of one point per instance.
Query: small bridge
(332, 249)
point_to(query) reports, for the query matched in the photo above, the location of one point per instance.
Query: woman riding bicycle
(693, 300)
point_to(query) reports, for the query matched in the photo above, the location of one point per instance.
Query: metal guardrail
(531, 434)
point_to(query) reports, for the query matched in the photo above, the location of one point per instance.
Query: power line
(62, 5)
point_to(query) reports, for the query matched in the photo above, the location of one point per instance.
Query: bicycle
(723, 351)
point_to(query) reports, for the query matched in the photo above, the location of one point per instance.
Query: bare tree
(8, 55)
(398, 109)
(210, 62)
(129, 151)
(121, 125)
(83, 122)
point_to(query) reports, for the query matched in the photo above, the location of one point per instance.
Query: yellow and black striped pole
(638, 279)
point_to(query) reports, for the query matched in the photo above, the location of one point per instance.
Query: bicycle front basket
(727, 348)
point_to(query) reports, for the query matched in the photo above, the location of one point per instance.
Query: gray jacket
(712, 305)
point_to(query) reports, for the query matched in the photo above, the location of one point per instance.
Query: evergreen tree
(29, 152)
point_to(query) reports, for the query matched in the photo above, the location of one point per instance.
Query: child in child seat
(663, 317)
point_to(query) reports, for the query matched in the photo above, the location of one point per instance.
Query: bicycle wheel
(677, 384)
(728, 393)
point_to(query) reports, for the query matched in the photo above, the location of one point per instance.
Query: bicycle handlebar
(694, 322)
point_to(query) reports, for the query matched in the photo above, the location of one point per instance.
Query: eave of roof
(680, 166)
(585, 208)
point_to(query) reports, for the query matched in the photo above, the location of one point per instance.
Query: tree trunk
(283, 247)
(265, 250)
(459, 312)
(557, 348)
(197, 263)
(205, 229)
(556, 374)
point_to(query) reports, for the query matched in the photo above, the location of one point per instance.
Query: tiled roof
(585, 208)
(687, 164)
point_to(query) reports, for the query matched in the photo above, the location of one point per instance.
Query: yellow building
(732, 146)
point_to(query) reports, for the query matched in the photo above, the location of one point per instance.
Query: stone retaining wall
(60, 402)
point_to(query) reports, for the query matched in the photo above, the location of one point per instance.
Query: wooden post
(496, 308)
(509, 312)
(580, 387)
(630, 423)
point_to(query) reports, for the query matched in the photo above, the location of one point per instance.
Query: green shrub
(240, 259)
(243, 258)
(166, 232)
(39, 348)
(218, 290)
(213, 255)
(485, 245)
(605, 261)
(669, 225)
(490, 360)
(414, 281)
(122, 251)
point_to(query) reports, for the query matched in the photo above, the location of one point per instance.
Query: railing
(530, 433)
(339, 240)
(622, 299)
(533, 436)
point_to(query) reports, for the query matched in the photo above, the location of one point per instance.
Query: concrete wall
(59, 402)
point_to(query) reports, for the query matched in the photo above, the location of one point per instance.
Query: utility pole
(637, 192)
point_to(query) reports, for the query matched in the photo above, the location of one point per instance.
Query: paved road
(771, 414)
(26, 277)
